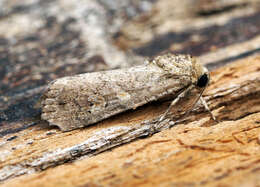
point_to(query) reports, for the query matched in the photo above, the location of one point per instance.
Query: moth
(78, 101)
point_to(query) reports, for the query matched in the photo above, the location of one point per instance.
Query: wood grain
(196, 151)
(43, 40)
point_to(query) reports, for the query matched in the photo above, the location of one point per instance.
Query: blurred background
(41, 40)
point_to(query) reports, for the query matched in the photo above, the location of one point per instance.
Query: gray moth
(78, 101)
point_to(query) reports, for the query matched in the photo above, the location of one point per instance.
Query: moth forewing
(81, 100)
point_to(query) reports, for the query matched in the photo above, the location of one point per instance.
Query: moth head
(200, 74)
(203, 79)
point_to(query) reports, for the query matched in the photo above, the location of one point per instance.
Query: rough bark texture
(197, 151)
(43, 40)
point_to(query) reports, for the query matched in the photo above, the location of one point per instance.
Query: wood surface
(197, 151)
(130, 149)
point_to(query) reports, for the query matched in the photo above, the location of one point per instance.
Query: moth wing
(78, 101)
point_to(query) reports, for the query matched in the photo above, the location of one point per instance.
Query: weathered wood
(233, 94)
(43, 40)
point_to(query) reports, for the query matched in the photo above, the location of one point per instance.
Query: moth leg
(172, 104)
(207, 108)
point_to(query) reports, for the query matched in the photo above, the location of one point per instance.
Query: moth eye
(203, 80)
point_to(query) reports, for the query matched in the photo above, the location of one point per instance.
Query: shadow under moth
(78, 101)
